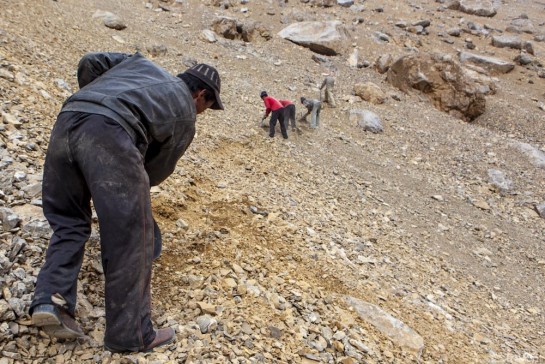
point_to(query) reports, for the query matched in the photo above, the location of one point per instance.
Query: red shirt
(271, 104)
(285, 102)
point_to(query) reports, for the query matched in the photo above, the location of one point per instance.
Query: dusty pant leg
(287, 115)
(272, 122)
(315, 111)
(330, 98)
(114, 170)
(66, 205)
(291, 115)
(282, 120)
(318, 110)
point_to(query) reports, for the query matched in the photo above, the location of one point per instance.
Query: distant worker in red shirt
(289, 113)
(275, 108)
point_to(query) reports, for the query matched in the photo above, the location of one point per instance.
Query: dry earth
(268, 237)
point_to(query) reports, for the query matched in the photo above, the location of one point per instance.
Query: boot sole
(114, 350)
(45, 319)
(52, 326)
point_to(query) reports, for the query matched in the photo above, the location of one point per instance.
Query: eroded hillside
(335, 246)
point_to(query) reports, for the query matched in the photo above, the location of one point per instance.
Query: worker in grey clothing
(328, 84)
(313, 107)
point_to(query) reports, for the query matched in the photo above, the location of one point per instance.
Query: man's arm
(303, 116)
(161, 158)
(93, 65)
(323, 84)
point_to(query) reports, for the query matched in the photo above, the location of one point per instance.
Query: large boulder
(328, 38)
(447, 84)
(370, 92)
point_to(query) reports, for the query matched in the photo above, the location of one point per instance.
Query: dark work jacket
(154, 107)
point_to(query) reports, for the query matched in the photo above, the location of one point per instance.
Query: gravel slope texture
(423, 243)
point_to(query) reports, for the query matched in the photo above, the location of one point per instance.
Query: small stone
(483, 205)
(207, 308)
(206, 324)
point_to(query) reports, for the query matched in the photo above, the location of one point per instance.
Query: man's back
(144, 98)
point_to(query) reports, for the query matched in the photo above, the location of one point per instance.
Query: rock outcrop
(443, 80)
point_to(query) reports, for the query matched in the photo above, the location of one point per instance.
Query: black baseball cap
(211, 77)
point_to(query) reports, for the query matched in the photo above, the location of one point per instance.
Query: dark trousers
(289, 115)
(91, 156)
(277, 115)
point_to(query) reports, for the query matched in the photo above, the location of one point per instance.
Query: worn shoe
(162, 337)
(56, 322)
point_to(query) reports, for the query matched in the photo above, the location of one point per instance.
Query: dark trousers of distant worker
(92, 156)
(277, 115)
(289, 115)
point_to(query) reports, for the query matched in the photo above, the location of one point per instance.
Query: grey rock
(486, 8)
(18, 289)
(537, 157)
(454, 32)
(5, 264)
(345, 3)
(328, 38)
(110, 20)
(231, 28)
(275, 332)
(114, 22)
(18, 306)
(19, 273)
(19, 176)
(207, 323)
(540, 208)
(494, 65)
(33, 190)
(506, 41)
(423, 23)
(339, 335)
(10, 119)
(9, 219)
(383, 63)
(359, 345)
(6, 75)
(208, 36)
(523, 59)
(498, 179)
(17, 246)
(383, 37)
(397, 331)
(6, 312)
(38, 229)
(157, 50)
(367, 120)
(62, 85)
(521, 25)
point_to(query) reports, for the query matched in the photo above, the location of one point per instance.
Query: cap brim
(217, 105)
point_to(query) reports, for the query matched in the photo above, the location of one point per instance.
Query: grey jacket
(154, 107)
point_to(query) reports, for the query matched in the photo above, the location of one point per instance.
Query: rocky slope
(420, 244)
